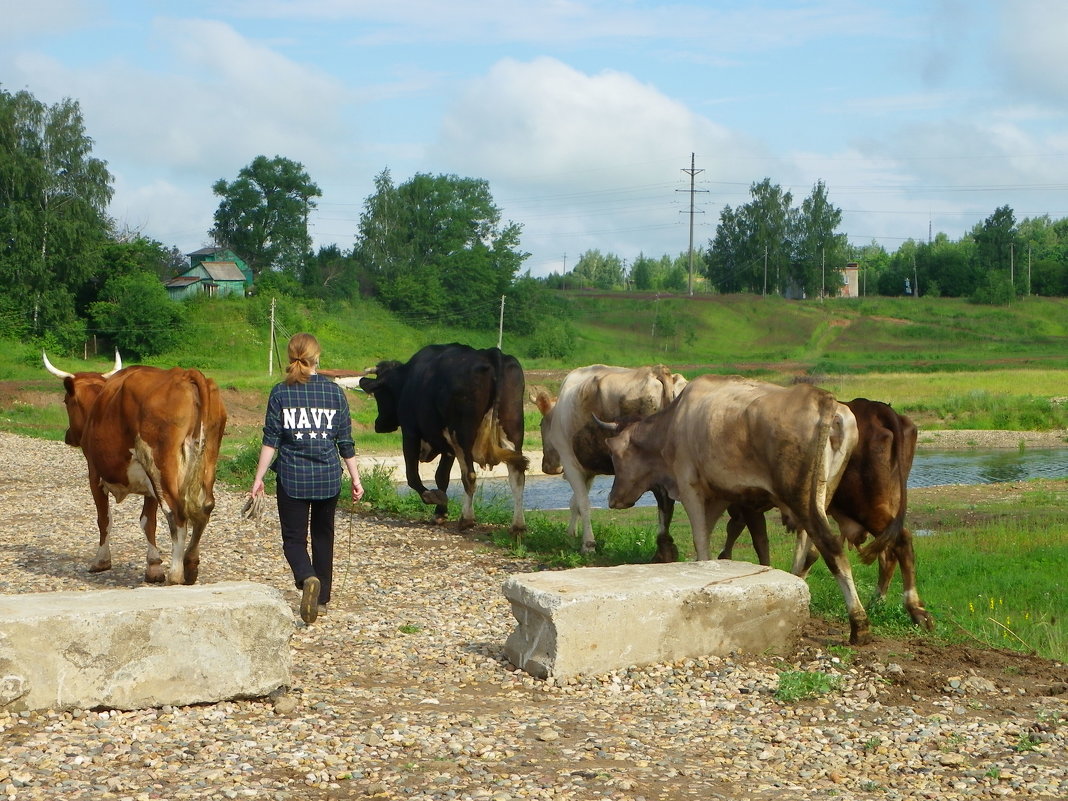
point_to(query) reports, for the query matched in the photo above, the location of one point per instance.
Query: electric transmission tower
(692, 172)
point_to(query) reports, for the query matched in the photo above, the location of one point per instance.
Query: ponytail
(303, 351)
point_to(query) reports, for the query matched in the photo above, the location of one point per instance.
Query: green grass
(797, 685)
(995, 573)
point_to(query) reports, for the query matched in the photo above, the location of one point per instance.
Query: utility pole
(1012, 267)
(270, 352)
(765, 272)
(500, 325)
(692, 172)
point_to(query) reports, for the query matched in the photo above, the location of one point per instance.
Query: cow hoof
(439, 520)
(665, 558)
(860, 636)
(155, 577)
(464, 525)
(588, 547)
(922, 618)
(99, 567)
(435, 498)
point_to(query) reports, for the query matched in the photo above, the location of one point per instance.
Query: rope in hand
(253, 508)
(348, 547)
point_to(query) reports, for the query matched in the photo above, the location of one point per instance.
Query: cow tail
(819, 495)
(667, 387)
(205, 439)
(493, 434)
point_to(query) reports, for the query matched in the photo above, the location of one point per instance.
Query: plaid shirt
(310, 426)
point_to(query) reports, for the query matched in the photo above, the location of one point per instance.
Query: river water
(930, 468)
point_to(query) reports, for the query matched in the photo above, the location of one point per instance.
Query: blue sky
(581, 114)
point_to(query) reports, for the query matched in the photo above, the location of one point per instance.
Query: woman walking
(307, 427)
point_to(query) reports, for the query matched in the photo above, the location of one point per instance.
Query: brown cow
(150, 432)
(573, 444)
(872, 497)
(730, 439)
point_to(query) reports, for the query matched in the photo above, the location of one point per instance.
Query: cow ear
(543, 402)
(369, 385)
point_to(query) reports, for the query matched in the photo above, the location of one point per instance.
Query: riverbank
(937, 439)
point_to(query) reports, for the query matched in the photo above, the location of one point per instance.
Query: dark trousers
(301, 519)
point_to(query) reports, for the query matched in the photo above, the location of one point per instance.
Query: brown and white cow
(871, 498)
(574, 444)
(730, 439)
(151, 432)
(460, 403)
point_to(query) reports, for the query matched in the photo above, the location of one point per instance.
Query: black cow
(458, 403)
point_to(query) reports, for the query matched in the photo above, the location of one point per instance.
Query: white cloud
(21, 20)
(545, 123)
(582, 156)
(1031, 47)
(214, 101)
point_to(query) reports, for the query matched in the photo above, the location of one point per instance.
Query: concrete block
(596, 619)
(144, 647)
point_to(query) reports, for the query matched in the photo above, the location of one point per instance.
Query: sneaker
(322, 609)
(309, 600)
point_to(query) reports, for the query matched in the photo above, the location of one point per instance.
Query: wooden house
(216, 272)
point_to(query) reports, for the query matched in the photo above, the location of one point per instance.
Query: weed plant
(797, 685)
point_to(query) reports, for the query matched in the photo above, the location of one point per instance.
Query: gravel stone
(403, 690)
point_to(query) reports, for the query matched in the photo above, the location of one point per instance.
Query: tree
(725, 259)
(995, 241)
(873, 260)
(948, 267)
(819, 251)
(436, 244)
(138, 254)
(599, 270)
(263, 215)
(676, 277)
(53, 222)
(643, 273)
(752, 245)
(331, 274)
(137, 316)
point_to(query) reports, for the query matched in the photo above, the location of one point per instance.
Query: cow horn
(54, 371)
(116, 368)
(606, 425)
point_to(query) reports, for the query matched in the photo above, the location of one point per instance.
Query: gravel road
(402, 690)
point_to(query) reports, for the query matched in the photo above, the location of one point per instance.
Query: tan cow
(151, 432)
(730, 439)
(573, 444)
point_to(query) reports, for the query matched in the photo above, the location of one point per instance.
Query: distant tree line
(432, 248)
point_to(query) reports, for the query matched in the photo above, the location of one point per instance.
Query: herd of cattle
(716, 444)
